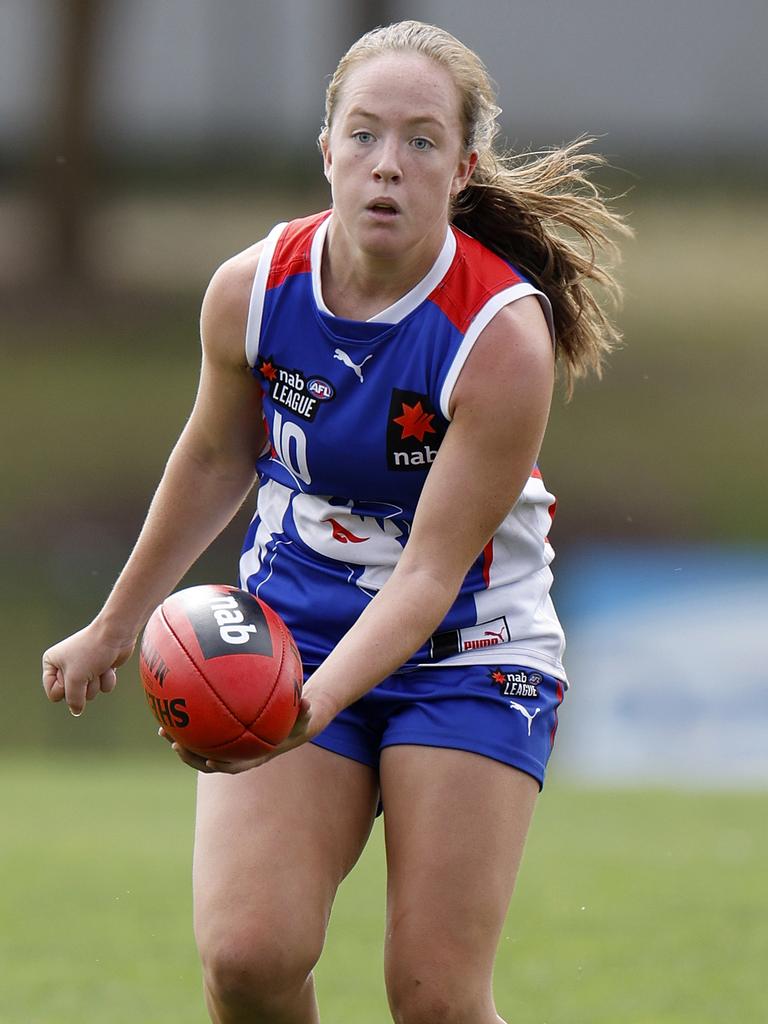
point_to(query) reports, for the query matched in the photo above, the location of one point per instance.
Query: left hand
(314, 715)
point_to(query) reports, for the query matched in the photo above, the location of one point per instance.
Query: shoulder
(475, 277)
(224, 313)
(224, 316)
(512, 360)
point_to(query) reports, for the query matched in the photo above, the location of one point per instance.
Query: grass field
(636, 907)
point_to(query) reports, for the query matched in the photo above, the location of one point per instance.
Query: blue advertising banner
(667, 663)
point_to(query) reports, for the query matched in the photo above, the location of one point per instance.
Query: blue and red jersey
(355, 413)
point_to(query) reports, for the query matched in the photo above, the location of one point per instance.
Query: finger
(108, 681)
(53, 680)
(74, 694)
(56, 692)
(237, 767)
(193, 760)
(55, 688)
(302, 722)
(93, 687)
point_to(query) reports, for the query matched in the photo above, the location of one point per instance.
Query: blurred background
(142, 142)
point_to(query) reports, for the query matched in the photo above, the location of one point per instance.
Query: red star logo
(267, 370)
(415, 422)
(498, 677)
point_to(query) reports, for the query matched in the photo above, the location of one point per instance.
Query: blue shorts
(506, 712)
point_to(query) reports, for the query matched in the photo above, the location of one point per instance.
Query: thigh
(272, 845)
(455, 826)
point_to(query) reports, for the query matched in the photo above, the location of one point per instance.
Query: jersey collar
(407, 303)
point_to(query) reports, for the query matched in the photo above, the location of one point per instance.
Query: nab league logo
(518, 683)
(414, 431)
(293, 391)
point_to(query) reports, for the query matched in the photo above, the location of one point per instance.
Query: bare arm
(208, 474)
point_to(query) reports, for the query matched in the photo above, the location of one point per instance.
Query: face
(395, 154)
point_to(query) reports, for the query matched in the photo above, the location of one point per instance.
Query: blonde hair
(538, 211)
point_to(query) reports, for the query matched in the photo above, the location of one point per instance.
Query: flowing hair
(539, 211)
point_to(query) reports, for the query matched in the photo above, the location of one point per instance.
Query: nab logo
(290, 389)
(414, 431)
(517, 684)
(231, 623)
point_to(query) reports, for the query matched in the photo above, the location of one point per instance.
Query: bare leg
(271, 847)
(455, 830)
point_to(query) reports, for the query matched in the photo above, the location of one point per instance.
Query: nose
(387, 166)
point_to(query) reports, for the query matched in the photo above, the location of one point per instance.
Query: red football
(221, 672)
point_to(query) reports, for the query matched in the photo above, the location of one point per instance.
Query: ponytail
(541, 212)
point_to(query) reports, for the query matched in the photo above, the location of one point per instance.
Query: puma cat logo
(356, 368)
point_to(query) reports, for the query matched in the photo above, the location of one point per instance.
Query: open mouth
(386, 208)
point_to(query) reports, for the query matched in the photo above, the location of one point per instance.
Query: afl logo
(320, 389)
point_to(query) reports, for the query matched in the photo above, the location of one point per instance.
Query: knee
(437, 996)
(255, 972)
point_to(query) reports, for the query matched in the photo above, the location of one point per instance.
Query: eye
(421, 143)
(365, 138)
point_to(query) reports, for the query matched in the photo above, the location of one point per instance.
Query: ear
(464, 172)
(325, 149)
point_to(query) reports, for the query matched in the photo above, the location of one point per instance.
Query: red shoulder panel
(292, 252)
(474, 276)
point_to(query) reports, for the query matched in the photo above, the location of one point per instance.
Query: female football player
(388, 367)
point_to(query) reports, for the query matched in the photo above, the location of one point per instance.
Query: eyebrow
(419, 119)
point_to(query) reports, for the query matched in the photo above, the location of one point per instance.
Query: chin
(375, 243)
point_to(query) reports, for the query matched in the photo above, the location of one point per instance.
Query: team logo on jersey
(470, 638)
(295, 392)
(320, 389)
(343, 535)
(414, 431)
(517, 684)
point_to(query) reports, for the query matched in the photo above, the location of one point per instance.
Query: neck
(357, 284)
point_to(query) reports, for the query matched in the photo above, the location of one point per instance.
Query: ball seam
(202, 675)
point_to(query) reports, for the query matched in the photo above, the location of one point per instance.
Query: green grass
(639, 907)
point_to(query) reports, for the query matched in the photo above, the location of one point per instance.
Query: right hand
(83, 665)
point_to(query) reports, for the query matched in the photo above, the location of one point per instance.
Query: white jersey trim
(256, 305)
(481, 321)
(405, 304)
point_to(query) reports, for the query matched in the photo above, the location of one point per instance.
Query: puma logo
(499, 636)
(356, 368)
(525, 713)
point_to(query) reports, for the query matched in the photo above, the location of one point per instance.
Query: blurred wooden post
(69, 150)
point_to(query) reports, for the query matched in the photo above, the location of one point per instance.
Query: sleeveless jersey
(355, 413)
